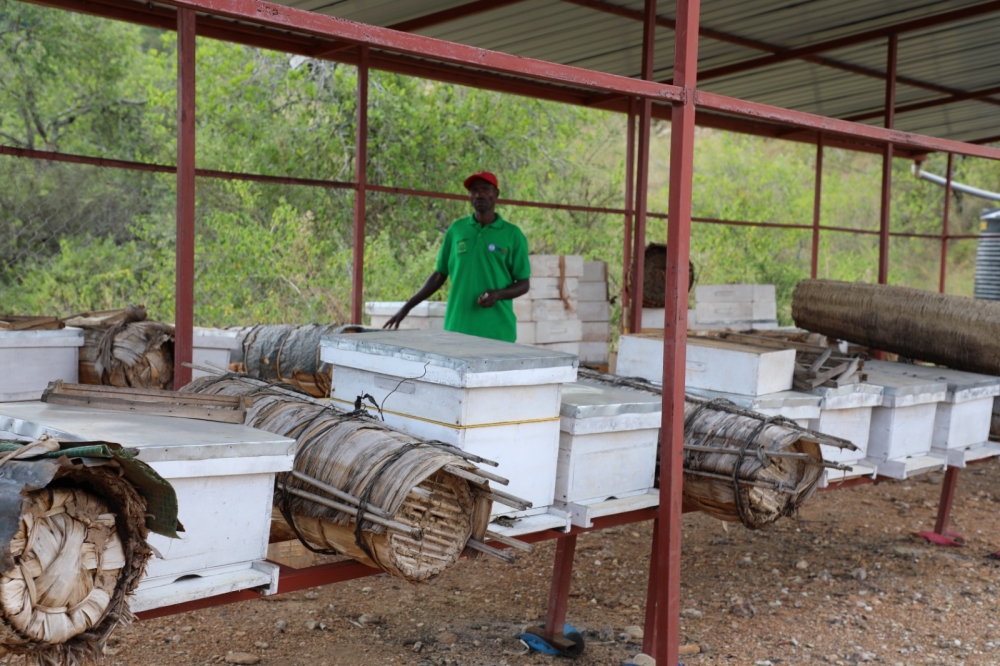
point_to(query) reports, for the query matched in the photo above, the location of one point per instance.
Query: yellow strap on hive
(452, 425)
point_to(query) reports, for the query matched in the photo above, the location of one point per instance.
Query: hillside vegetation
(81, 238)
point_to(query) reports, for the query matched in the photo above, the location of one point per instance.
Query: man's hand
(396, 319)
(488, 298)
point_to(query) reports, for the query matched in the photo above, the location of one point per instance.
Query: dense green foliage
(82, 238)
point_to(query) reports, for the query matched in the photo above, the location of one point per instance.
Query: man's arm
(433, 283)
(520, 287)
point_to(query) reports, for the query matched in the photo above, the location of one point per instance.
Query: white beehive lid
(782, 400)
(849, 396)
(64, 337)
(216, 338)
(962, 386)
(452, 359)
(902, 391)
(156, 438)
(589, 408)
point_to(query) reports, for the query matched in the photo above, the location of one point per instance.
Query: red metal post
(890, 121)
(642, 168)
(562, 576)
(668, 560)
(361, 191)
(184, 304)
(944, 225)
(629, 194)
(947, 497)
(649, 626)
(817, 198)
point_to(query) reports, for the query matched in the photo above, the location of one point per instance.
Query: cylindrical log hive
(289, 354)
(959, 332)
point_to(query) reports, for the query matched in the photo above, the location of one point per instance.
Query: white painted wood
(725, 293)
(964, 456)
(593, 352)
(714, 312)
(905, 468)
(899, 432)
(548, 287)
(213, 467)
(854, 425)
(547, 265)
(595, 271)
(448, 405)
(565, 347)
(567, 330)
(851, 396)
(552, 519)
(525, 332)
(201, 587)
(715, 365)
(593, 311)
(389, 308)
(654, 318)
(602, 465)
(596, 331)
(582, 514)
(523, 307)
(594, 291)
(410, 323)
(765, 310)
(29, 360)
(961, 424)
(552, 310)
(859, 468)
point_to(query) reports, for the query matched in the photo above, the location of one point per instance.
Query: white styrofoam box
(607, 443)
(793, 405)
(410, 323)
(564, 347)
(593, 352)
(495, 399)
(903, 425)
(213, 347)
(594, 291)
(525, 332)
(523, 307)
(712, 312)
(389, 308)
(548, 287)
(593, 311)
(566, 330)
(595, 271)
(963, 417)
(547, 266)
(715, 365)
(223, 475)
(29, 360)
(596, 331)
(552, 309)
(846, 413)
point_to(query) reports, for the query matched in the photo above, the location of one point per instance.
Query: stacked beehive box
(547, 314)
(725, 307)
(428, 315)
(595, 313)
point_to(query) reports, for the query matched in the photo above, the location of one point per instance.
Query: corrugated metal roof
(960, 56)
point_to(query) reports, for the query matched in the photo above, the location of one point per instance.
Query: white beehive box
(595, 271)
(795, 405)
(714, 365)
(963, 418)
(846, 412)
(902, 427)
(213, 347)
(428, 315)
(607, 451)
(494, 399)
(593, 311)
(223, 475)
(548, 288)
(29, 360)
(548, 266)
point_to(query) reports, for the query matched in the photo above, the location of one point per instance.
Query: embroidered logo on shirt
(461, 247)
(492, 247)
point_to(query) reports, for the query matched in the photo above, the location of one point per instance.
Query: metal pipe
(360, 192)
(682, 124)
(958, 187)
(184, 304)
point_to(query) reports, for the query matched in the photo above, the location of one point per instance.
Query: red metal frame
(361, 190)
(562, 570)
(627, 304)
(452, 14)
(886, 201)
(817, 199)
(944, 225)
(184, 305)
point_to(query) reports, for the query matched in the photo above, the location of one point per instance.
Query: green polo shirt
(479, 259)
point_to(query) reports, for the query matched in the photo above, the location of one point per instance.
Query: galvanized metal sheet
(583, 401)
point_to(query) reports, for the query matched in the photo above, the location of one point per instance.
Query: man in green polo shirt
(486, 258)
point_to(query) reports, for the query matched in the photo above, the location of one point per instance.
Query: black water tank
(988, 257)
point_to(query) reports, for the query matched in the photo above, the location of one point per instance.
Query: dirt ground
(844, 582)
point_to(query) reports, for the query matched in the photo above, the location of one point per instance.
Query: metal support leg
(649, 626)
(941, 535)
(562, 576)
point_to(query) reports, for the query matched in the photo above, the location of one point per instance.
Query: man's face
(483, 195)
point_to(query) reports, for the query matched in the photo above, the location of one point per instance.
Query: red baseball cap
(484, 175)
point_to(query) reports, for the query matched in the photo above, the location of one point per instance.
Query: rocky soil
(845, 582)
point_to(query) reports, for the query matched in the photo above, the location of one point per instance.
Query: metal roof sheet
(941, 58)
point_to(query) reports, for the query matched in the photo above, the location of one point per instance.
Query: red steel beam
(926, 22)
(562, 577)
(817, 198)
(929, 104)
(649, 625)
(944, 226)
(668, 564)
(360, 191)
(629, 210)
(642, 168)
(452, 14)
(886, 200)
(184, 305)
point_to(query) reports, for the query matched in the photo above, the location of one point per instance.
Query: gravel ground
(845, 582)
